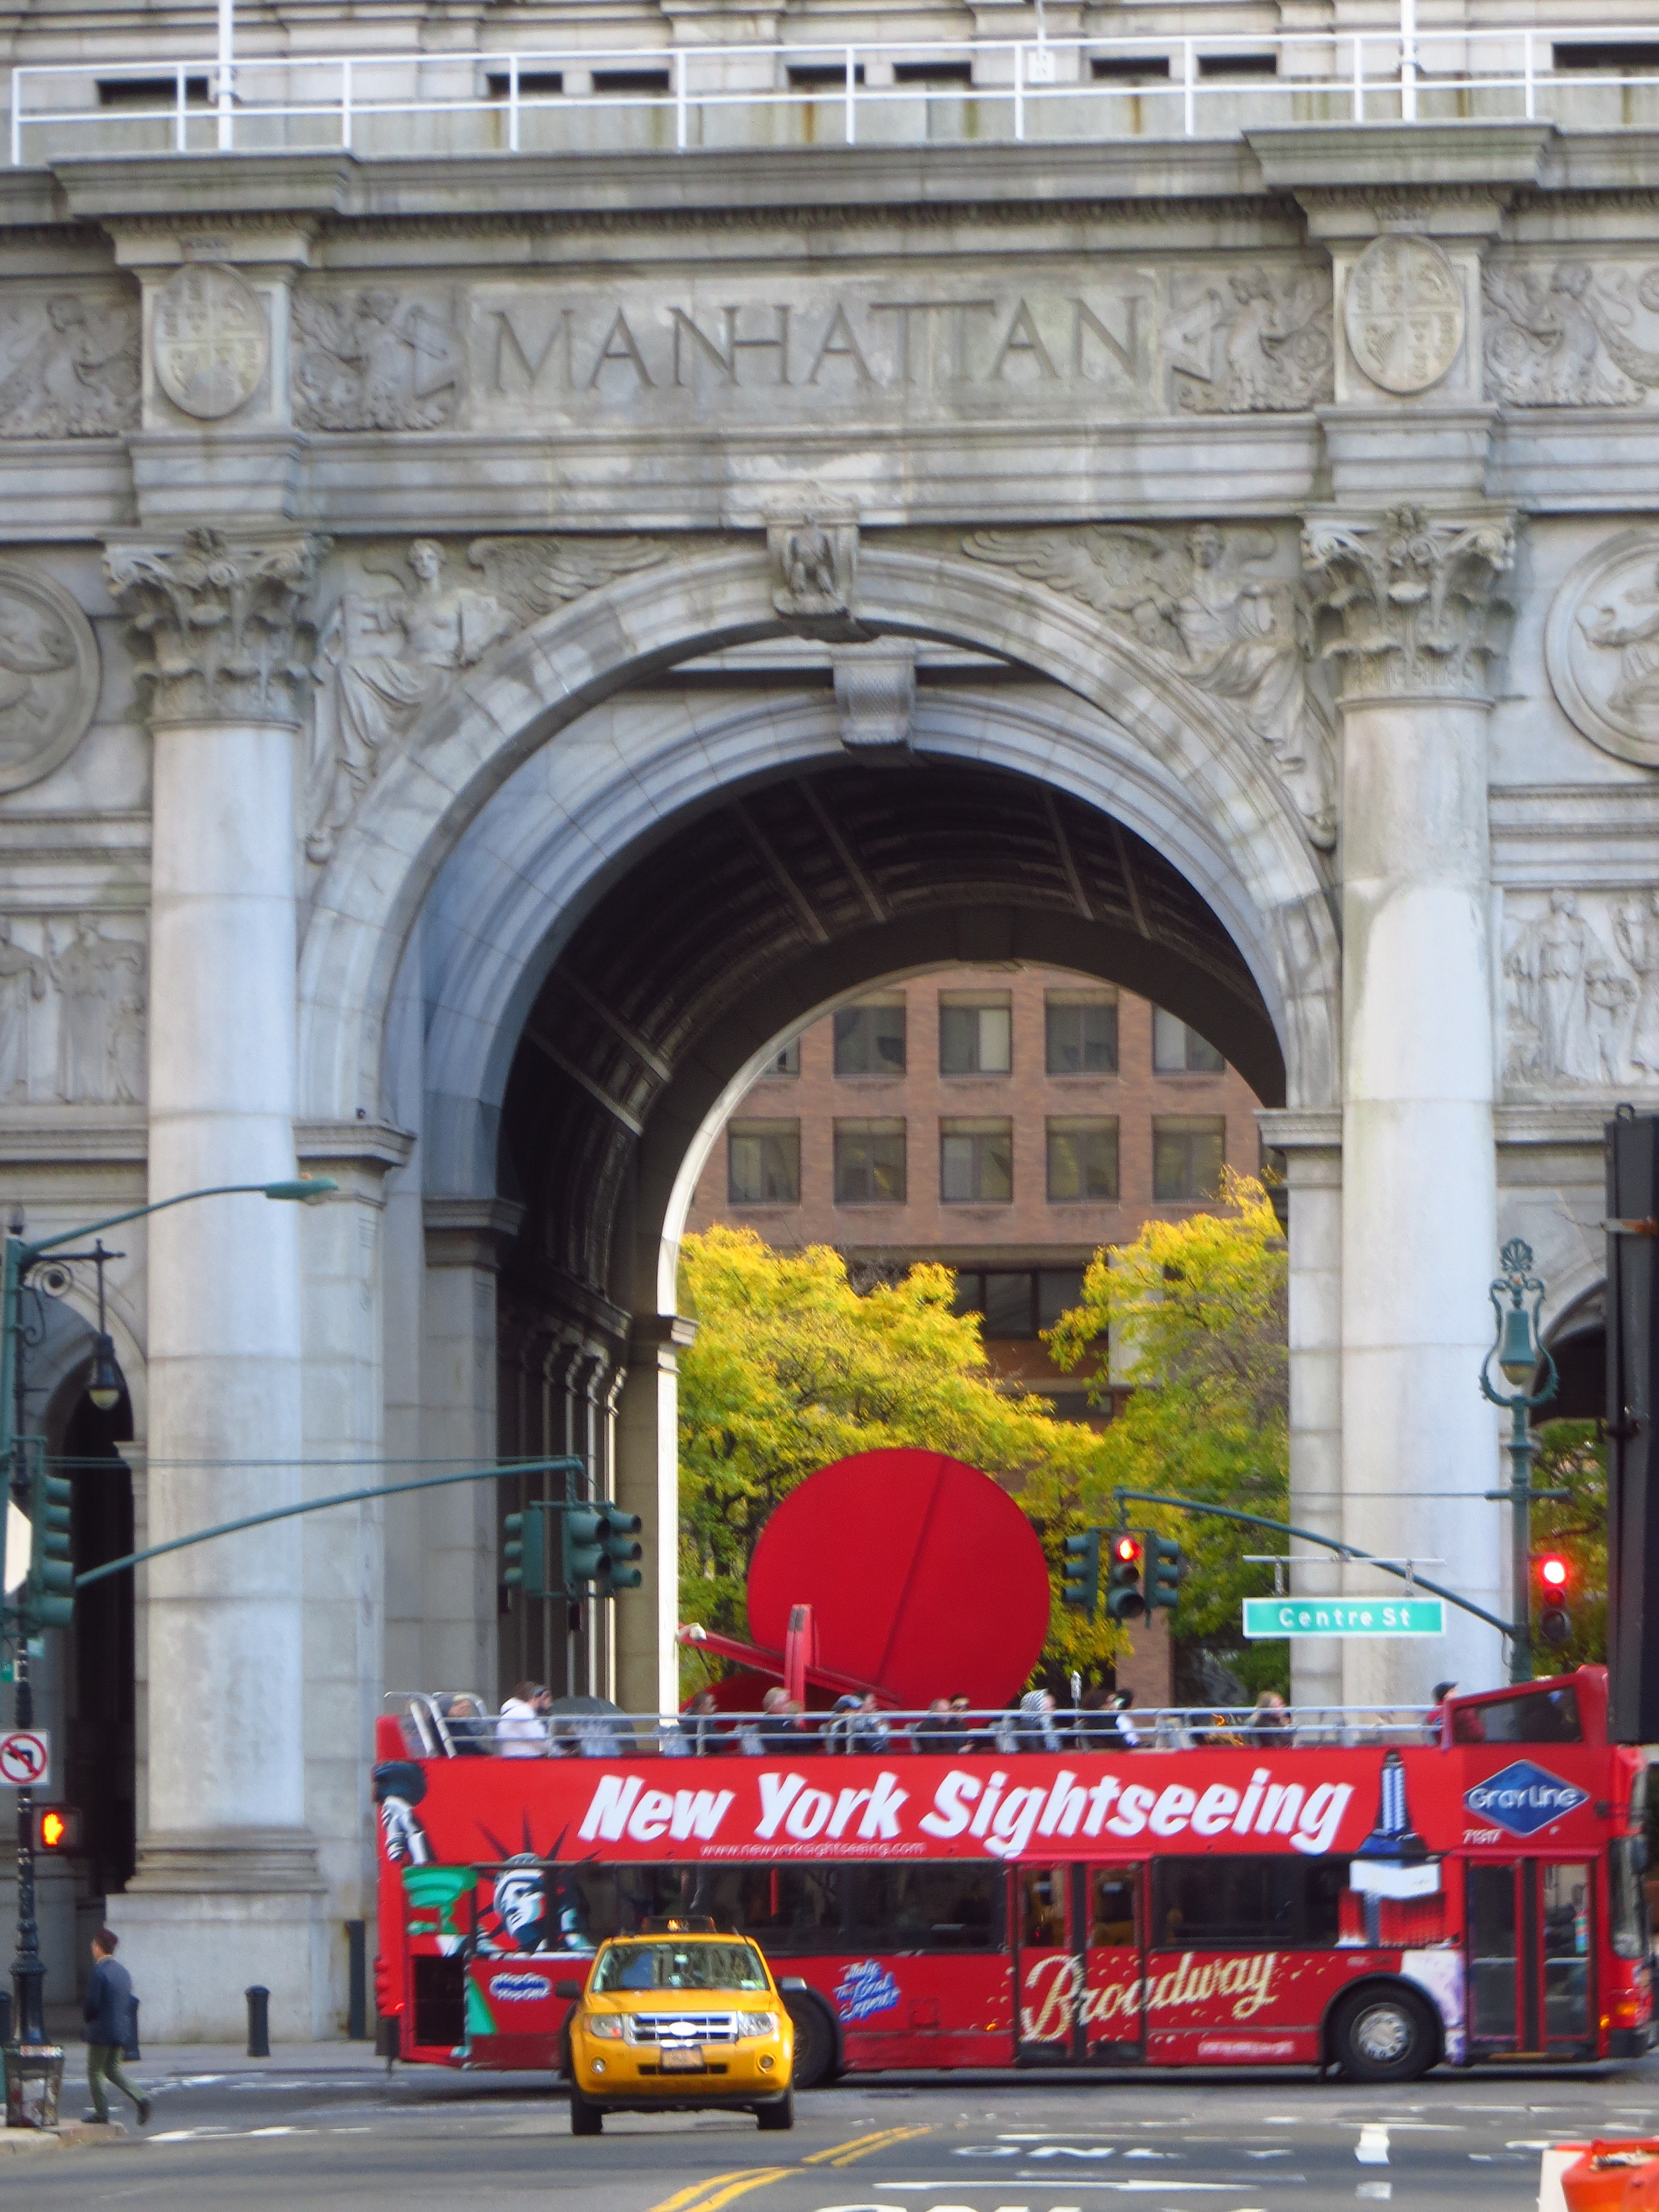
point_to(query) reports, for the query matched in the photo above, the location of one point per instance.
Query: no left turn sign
(25, 1758)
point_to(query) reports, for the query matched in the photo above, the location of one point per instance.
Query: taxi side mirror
(570, 1991)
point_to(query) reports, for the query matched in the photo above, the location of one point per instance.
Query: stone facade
(460, 706)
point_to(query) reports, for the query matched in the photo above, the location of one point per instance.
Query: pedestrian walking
(107, 2012)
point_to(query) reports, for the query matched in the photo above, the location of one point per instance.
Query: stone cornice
(368, 1144)
(468, 1232)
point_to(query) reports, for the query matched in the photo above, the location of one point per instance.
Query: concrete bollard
(258, 2022)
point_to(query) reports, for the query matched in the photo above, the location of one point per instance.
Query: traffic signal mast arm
(1122, 1497)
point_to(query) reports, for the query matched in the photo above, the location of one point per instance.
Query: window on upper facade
(1188, 1152)
(763, 1163)
(1178, 1050)
(870, 1038)
(976, 1163)
(1082, 1161)
(1080, 1032)
(975, 1034)
(786, 1062)
(869, 1164)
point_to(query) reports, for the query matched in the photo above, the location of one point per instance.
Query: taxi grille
(687, 2026)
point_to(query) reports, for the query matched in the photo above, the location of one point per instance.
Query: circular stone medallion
(1602, 647)
(48, 676)
(1403, 312)
(210, 341)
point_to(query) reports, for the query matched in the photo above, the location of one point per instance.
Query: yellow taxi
(678, 2018)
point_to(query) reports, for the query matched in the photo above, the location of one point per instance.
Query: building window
(869, 1164)
(1177, 1050)
(763, 1163)
(788, 1062)
(1080, 1028)
(870, 1038)
(1082, 1162)
(976, 1163)
(976, 1035)
(1187, 1150)
(1018, 1302)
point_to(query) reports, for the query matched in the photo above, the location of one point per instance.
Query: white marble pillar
(1408, 599)
(228, 1889)
(1312, 1145)
(648, 1483)
(460, 1526)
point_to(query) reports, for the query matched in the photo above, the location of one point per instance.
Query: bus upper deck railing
(651, 95)
(455, 1724)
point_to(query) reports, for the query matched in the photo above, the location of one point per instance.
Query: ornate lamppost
(1518, 1351)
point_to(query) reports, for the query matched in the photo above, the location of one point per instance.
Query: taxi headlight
(608, 2026)
(757, 2023)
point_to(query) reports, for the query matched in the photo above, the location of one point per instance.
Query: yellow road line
(840, 2150)
(849, 2153)
(684, 2197)
(739, 2186)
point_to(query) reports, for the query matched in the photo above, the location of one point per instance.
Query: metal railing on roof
(433, 1730)
(644, 95)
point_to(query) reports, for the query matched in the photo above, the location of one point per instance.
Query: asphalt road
(264, 2140)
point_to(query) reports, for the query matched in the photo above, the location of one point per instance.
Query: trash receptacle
(34, 2082)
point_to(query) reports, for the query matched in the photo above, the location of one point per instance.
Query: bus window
(1531, 1716)
(1247, 1903)
(1627, 1897)
(1492, 1954)
(1112, 1916)
(1042, 1908)
(1564, 1902)
(946, 1907)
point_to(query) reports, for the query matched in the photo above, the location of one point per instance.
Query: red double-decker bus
(1377, 1894)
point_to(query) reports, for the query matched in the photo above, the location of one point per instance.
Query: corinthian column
(1406, 601)
(226, 1890)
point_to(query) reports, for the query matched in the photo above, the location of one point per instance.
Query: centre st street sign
(1268, 1617)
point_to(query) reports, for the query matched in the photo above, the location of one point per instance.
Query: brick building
(1006, 1122)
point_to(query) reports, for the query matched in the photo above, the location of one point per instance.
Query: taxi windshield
(672, 1965)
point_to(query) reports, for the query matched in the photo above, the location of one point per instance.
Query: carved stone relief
(1406, 602)
(225, 624)
(876, 695)
(374, 361)
(1403, 310)
(815, 575)
(1204, 602)
(1602, 647)
(1570, 336)
(49, 676)
(386, 656)
(209, 339)
(68, 366)
(72, 1013)
(1581, 978)
(1258, 342)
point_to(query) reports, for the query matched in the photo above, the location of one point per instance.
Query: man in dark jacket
(108, 2016)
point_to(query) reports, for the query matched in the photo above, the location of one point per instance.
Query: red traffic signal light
(1553, 1571)
(57, 1828)
(1126, 1549)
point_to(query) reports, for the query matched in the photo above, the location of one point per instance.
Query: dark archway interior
(1581, 1365)
(771, 903)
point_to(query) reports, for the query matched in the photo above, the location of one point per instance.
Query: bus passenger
(521, 1731)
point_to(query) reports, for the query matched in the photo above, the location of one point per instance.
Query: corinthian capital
(225, 624)
(1409, 602)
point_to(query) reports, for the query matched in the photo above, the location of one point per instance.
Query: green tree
(1197, 1309)
(1572, 1456)
(792, 1368)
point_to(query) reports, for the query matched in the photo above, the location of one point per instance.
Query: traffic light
(581, 1537)
(1079, 1581)
(1554, 1621)
(1124, 1598)
(618, 1571)
(58, 1829)
(1163, 1571)
(49, 1593)
(527, 1552)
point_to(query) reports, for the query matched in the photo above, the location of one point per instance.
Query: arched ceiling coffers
(802, 889)
(497, 714)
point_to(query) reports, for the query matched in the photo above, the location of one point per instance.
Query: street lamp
(34, 2068)
(1516, 1350)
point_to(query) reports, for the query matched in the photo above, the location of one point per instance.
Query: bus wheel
(1383, 2035)
(815, 2040)
(586, 2119)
